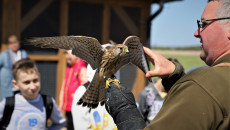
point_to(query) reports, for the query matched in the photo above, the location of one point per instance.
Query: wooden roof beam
(34, 12)
(11, 13)
(106, 24)
(128, 22)
(129, 3)
(10, 24)
(44, 57)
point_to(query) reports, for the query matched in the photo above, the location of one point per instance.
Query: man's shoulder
(206, 75)
(200, 78)
(213, 80)
(196, 74)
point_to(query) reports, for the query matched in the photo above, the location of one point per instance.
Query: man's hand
(122, 107)
(170, 72)
(163, 67)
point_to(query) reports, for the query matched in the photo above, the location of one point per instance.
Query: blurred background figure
(85, 118)
(152, 97)
(7, 59)
(75, 75)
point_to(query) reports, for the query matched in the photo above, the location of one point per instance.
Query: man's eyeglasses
(203, 23)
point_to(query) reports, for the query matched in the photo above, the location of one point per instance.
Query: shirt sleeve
(187, 107)
(58, 121)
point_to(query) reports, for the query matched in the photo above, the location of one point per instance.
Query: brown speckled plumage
(107, 60)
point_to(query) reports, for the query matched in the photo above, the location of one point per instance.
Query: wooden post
(139, 84)
(106, 24)
(3, 47)
(62, 60)
(145, 13)
(11, 16)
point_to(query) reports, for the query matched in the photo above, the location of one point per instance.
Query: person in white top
(85, 118)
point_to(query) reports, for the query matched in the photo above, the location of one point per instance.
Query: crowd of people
(175, 100)
(22, 106)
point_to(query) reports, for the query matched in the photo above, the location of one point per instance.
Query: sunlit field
(188, 60)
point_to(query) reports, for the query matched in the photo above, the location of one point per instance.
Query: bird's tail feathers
(94, 94)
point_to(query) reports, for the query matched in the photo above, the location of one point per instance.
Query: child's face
(28, 83)
(70, 58)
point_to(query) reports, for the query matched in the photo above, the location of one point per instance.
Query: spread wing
(136, 54)
(86, 48)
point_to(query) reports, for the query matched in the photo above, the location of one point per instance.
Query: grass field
(188, 60)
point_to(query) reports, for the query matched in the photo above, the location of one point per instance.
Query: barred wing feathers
(136, 54)
(86, 48)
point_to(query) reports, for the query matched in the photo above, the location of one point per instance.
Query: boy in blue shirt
(29, 110)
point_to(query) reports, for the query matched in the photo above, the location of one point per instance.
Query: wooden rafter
(145, 13)
(140, 77)
(128, 22)
(129, 3)
(106, 23)
(34, 12)
(44, 57)
(11, 13)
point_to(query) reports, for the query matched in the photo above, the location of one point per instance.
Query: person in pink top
(75, 75)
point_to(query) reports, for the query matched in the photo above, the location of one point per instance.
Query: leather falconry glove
(121, 106)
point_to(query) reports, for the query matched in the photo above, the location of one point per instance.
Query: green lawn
(187, 61)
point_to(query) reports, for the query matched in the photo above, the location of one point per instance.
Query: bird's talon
(116, 80)
(112, 80)
(107, 83)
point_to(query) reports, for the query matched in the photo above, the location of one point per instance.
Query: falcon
(106, 59)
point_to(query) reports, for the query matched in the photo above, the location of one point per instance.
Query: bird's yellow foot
(114, 80)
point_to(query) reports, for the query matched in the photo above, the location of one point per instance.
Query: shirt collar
(223, 59)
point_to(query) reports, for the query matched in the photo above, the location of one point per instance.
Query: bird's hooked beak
(125, 50)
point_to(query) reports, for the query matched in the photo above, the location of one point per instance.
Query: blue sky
(176, 24)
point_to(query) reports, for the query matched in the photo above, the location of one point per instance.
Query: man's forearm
(169, 81)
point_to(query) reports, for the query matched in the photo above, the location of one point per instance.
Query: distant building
(102, 19)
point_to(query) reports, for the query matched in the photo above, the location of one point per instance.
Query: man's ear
(228, 30)
(14, 82)
(228, 36)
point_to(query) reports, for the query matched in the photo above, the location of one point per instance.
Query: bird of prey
(107, 60)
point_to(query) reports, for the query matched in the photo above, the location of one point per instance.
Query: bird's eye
(121, 48)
